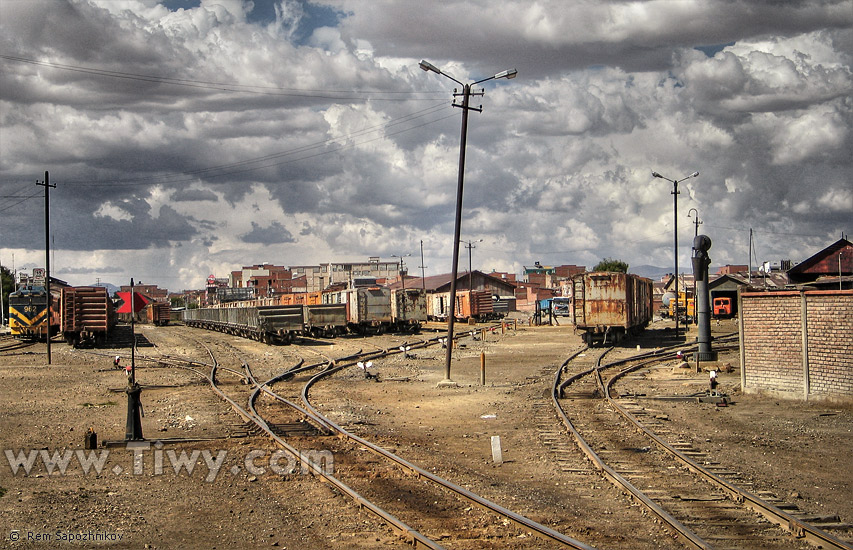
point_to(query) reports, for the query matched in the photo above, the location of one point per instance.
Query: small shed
(836, 260)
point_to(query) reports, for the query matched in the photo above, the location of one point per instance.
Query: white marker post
(497, 455)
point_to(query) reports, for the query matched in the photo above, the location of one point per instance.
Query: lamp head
(694, 174)
(427, 66)
(508, 74)
(656, 175)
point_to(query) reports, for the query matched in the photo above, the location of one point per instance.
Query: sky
(193, 137)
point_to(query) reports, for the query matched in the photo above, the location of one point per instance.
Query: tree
(7, 285)
(609, 264)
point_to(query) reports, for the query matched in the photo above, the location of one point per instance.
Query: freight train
(83, 315)
(28, 312)
(280, 320)
(608, 306)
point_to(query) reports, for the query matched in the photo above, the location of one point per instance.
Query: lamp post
(675, 234)
(423, 269)
(403, 283)
(469, 245)
(696, 222)
(466, 96)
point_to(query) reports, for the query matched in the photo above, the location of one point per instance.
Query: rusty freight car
(470, 304)
(368, 309)
(158, 313)
(87, 314)
(607, 306)
(408, 309)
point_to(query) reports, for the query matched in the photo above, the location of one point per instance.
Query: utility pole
(469, 245)
(46, 184)
(423, 268)
(466, 94)
(2, 316)
(696, 222)
(749, 267)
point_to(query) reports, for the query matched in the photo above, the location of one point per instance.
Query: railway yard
(409, 463)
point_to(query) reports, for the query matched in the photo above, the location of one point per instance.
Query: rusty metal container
(438, 306)
(408, 307)
(607, 305)
(325, 319)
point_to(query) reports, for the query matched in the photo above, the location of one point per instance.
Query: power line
(260, 162)
(373, 95)
(766, 232)
(23, 199)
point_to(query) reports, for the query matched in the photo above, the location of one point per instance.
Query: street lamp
(403, 283)
(696, 222)
(675, 234)
(466, 96)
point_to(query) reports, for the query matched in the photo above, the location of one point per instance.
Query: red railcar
(158, 313)
(88, 315)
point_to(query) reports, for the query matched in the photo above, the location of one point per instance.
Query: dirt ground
(55, 493)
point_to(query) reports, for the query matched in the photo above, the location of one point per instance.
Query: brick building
(152, 291)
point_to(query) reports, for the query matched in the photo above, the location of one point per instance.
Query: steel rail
(795, 526)
(685, 534)
(264, 387)
(522, 521)
(410, 535)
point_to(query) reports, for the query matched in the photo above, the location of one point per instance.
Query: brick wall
(830, 344)
(772, 346)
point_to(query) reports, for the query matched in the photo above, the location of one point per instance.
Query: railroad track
(372, 474)
(701, 501)
(404, 487)
(7, 344)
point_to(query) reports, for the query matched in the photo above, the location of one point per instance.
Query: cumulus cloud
(188, 141)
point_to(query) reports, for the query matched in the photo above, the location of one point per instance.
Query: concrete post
(804, 318)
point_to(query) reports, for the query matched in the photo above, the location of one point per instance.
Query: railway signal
(129, 305)
(133, 302)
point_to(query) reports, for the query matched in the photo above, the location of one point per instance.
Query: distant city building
(729, 269)
(551, 276)
(318, 277)
(504, 276)
(152, 291)
(263, 280)
(211, 289)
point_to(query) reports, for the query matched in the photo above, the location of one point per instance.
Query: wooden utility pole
(46, 184)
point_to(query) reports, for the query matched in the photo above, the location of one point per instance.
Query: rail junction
(594, 418)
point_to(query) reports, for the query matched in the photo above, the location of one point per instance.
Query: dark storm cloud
(555, 36)
(274, 233)
(193, 195)
(89, 231)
